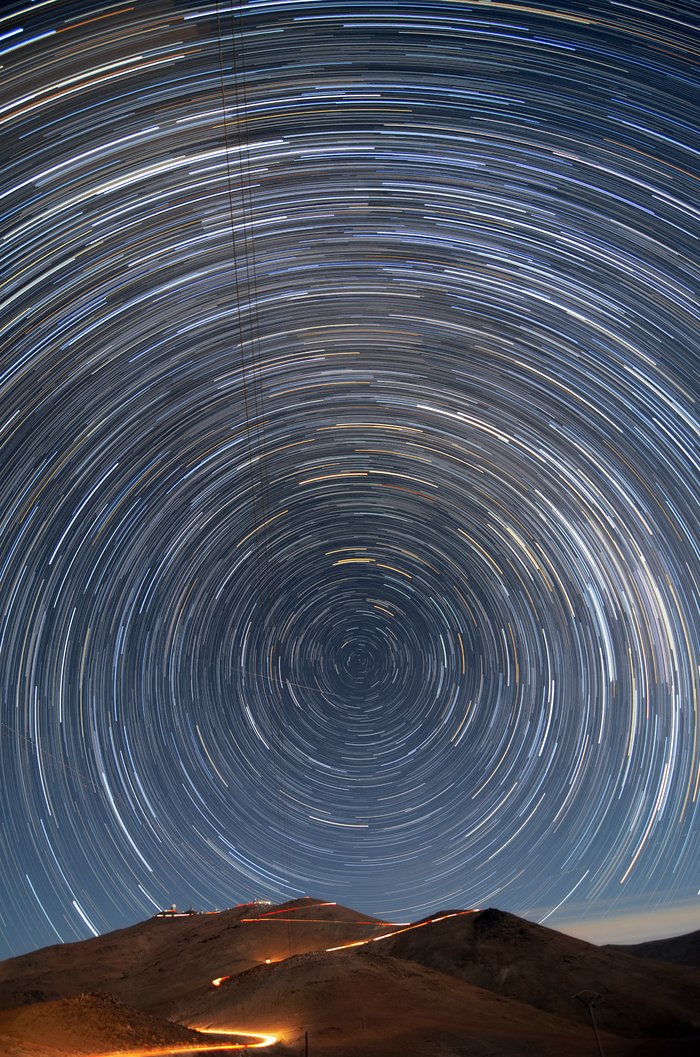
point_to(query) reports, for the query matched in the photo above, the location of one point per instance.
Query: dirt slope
(87, 1024)
(366, 1004)
(11, 1047)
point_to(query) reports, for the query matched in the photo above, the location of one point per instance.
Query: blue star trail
(348, 405)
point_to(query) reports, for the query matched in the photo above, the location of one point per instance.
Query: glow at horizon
(349, 462)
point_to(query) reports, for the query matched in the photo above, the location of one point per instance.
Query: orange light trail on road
(288, 910)
(408, 928)
(164, 1051)
(315, 921)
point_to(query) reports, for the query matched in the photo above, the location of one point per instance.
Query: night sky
(349, 459)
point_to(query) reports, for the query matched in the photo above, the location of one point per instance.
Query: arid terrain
(459, 984)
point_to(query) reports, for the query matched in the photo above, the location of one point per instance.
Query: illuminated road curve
(261, 1040)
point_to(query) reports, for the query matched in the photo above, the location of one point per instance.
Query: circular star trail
(350, 457)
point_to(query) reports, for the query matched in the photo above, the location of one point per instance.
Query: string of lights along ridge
(348, 398)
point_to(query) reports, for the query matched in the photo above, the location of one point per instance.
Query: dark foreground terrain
(459, 984)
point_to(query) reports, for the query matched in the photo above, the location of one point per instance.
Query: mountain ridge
(457, 982)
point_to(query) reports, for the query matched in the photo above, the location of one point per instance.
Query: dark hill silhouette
(680, 950)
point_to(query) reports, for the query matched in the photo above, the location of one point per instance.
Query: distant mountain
(458, 984)
(681, 950)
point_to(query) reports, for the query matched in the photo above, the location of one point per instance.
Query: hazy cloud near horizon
(636, 927)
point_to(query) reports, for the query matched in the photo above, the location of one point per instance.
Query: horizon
(625, 929)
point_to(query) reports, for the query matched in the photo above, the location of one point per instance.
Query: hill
(680, 950)
(157, 963)
(88, 1024)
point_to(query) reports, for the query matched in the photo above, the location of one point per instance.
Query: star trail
(348, 405)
